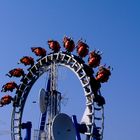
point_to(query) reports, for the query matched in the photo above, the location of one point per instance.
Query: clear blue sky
(112, 26)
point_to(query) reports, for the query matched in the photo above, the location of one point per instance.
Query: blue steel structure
(43, 115)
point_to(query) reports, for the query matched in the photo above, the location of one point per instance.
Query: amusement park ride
(55, 125)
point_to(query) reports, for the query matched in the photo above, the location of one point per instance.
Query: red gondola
(68, 44)
(10, 86)
(54, 45)
(27, 60)
(103, 74)
(5, 100)
(94, 59)
(39, 51)
(17, 72)
(82, 49)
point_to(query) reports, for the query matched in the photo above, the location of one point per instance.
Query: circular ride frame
(43, 65)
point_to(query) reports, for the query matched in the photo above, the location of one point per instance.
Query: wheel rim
(42, 66)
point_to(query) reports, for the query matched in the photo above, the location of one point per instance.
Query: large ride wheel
(94, 114)
(92, 122)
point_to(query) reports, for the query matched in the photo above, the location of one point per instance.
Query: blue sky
(112, 26)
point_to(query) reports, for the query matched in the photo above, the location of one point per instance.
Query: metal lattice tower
(54, 98)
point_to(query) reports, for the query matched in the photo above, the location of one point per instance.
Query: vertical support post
(76, 127)
(28, 127)
(53, 99)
